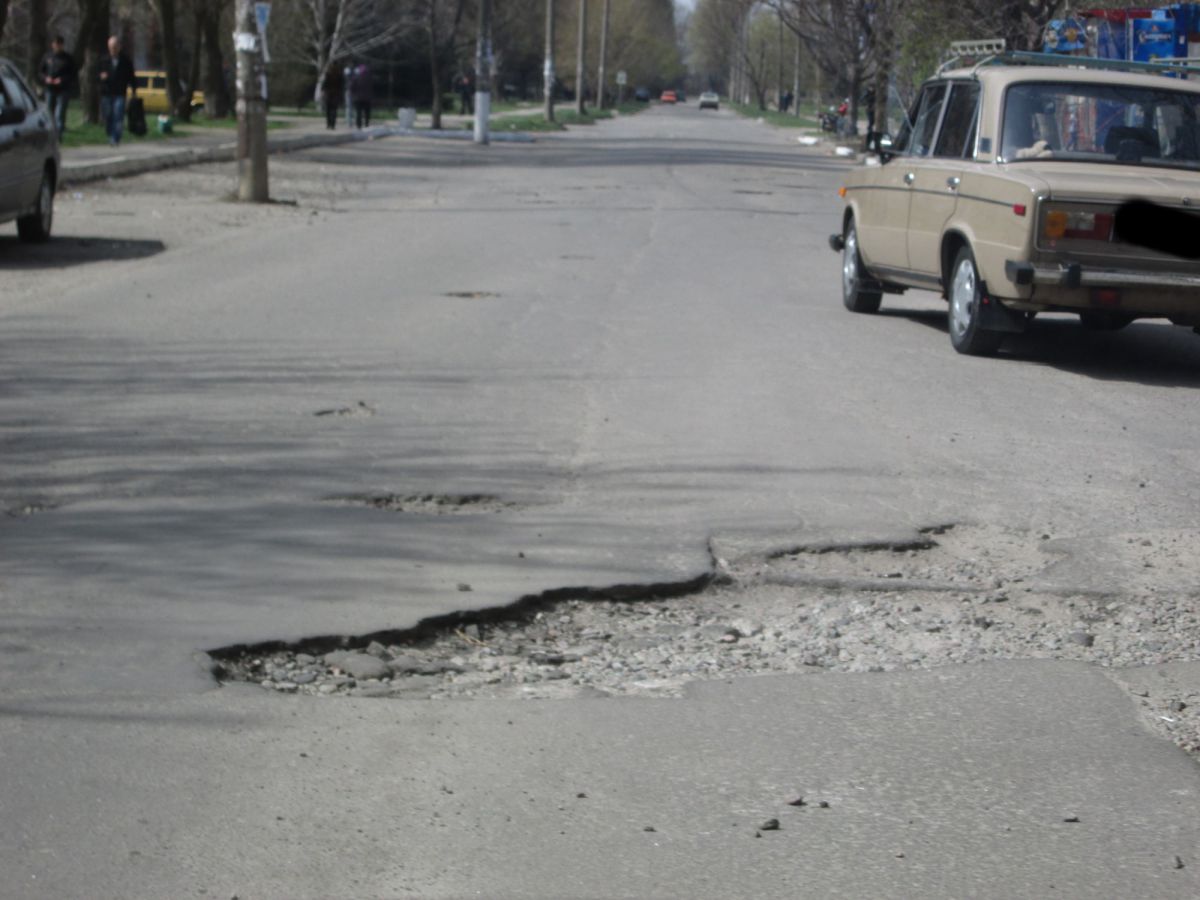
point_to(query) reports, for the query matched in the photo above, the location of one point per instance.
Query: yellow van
(152, 88)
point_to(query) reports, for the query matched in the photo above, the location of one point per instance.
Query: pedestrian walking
(331, 94)
(466, 95)
(362, 87)
(58, 78)
(116, 77)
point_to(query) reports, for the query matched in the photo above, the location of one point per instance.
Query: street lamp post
(483, 72)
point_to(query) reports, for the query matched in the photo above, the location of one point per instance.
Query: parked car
(642, 95)
(668, 97)
(29, 159)
(1002, 189)
(680, 95)
(709, 100)
(152, 88)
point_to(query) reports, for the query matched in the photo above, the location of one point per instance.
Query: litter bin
(165, 124)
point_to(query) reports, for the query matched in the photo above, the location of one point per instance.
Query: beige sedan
(1005, 191)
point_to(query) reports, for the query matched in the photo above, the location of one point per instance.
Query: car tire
(854, 275)
(965, 296)
(1103, 320)
(35, 227)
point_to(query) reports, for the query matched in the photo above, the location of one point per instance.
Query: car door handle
(953, 182)
(909, 177)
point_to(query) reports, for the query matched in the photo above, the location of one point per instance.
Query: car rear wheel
(35, 227)
(966, 297)
(854, 275)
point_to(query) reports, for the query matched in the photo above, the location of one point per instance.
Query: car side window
(17, 95)
(926, 120)
(958, 125)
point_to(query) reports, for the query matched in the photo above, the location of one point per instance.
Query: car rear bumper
(1073, 275)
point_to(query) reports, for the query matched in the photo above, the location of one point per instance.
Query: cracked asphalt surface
(229, 425)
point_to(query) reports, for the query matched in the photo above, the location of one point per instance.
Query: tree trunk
(796, 81)
(37, 39)
(90, 47)
(170, 50)
(548, 70)
(581, 61)
(216, 91)
(601, 77)
(184, 110)
(435, 68)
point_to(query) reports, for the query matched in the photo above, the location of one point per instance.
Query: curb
(122, 166)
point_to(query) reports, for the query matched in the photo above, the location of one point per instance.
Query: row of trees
(177, 35)
(846, 48)
(419, 49)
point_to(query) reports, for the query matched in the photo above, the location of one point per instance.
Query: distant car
(668, 97)
(29, 159)
(709, 100)
(642, 95)
(152, 88)
(681, 95)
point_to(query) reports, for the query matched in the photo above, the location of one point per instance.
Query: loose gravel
(965, 596)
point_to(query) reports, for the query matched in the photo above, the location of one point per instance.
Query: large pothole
(964, 595)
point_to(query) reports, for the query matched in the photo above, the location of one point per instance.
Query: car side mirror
(12, 115)
(880, 142)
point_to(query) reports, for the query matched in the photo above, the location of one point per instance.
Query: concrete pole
(251, 108)
(601, 83)
(483, 72)
(548, 71)
(580, 69)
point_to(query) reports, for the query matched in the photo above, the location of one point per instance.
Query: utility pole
(483, 72)
(548, 71)
(251, 107)
(580, 70)
(601, 84)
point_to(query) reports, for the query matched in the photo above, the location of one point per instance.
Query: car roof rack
(1183, 67)
(963, 53)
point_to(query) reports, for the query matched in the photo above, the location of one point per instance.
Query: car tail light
(1106, 297)
(1080, 226)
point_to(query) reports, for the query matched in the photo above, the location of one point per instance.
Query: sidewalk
(201, 145)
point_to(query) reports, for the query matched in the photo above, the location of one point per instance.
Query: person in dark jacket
(331, 93)
(362, 87)
(58, 77)
(116, 77)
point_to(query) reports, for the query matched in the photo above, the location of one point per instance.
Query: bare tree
(336, 30)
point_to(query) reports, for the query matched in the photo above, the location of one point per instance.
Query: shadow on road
(62, 252)
(1146, 352)
(557, 153)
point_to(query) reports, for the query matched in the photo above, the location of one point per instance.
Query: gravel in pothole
(747, 624)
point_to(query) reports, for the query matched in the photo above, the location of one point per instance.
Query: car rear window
(1111, 123)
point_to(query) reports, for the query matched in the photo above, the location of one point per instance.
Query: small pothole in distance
(428, 504)
(471, 295)
(26, 508)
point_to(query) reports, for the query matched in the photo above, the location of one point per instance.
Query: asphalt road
(630, 340)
